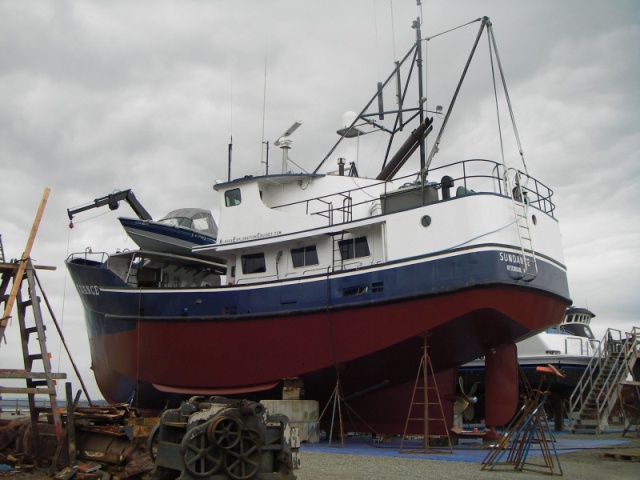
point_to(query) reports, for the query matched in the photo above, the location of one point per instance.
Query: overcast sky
(102, 96)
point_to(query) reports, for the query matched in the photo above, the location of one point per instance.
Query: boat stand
(528, 428)
(425, 381)
(337, 402)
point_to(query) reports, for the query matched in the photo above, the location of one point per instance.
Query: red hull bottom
(377, 350)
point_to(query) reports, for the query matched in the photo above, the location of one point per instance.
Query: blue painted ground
(364, 445)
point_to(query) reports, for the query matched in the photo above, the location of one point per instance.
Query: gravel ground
(585, 464)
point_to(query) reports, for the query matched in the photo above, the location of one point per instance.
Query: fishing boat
(333, 279)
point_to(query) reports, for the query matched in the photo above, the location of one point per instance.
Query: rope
(63, 342)
(64, 299)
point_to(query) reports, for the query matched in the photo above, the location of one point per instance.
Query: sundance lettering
(512, 258)
(88, 289)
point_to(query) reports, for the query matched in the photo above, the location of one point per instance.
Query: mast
(421, 99)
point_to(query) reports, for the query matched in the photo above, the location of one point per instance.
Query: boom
(113, 200)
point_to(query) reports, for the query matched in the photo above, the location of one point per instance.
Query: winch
(219, 438)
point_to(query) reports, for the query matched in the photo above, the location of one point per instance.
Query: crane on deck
(113, 201)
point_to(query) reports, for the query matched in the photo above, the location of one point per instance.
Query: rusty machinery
(219, 438)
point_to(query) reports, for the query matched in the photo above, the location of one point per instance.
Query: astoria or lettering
(88, 289)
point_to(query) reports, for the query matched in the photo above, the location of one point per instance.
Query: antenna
(284, 142)
(264, 108)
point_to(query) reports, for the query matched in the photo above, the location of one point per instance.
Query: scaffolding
(37, 373)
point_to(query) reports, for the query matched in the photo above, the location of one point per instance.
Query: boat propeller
(464, 405)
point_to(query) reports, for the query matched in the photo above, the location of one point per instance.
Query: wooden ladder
(38, 381)
(420, 408)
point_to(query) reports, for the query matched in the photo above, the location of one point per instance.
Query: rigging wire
(76, 222)
(495, 97)
(493, 50)
(506, 95)
(375, 27)
(436, 144)
(453, 29)
(64, 300)
(393, 31)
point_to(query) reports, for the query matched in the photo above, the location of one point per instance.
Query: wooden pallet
(621, 454)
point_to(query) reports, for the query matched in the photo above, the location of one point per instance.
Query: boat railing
(606, 347)
(467, 177)
(257, 279)
(306, 272)
(89, 258)
(587, 346)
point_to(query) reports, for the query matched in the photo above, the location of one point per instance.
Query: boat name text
(246, 238)
(88, 289)
(512, 258)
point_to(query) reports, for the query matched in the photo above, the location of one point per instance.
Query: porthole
(425, 221)
(534, 219)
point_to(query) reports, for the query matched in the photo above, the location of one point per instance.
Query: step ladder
(520, 203)
(598, 391)
(338, 261)
(425, 406)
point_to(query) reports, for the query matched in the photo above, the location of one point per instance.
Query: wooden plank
(17, 281)
(9, 373)
(14, 266)
(33, 391)
(620, 454)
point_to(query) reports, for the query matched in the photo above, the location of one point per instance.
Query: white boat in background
(568, 346)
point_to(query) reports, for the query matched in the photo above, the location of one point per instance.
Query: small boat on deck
(177, 232)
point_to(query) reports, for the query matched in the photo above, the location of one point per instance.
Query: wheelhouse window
(304, 256)
(253, 263)
(232, 197)
(354, 248)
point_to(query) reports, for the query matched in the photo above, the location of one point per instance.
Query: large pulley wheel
(152, 442)
(243, 461)
(199, 456)
(224, 432)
